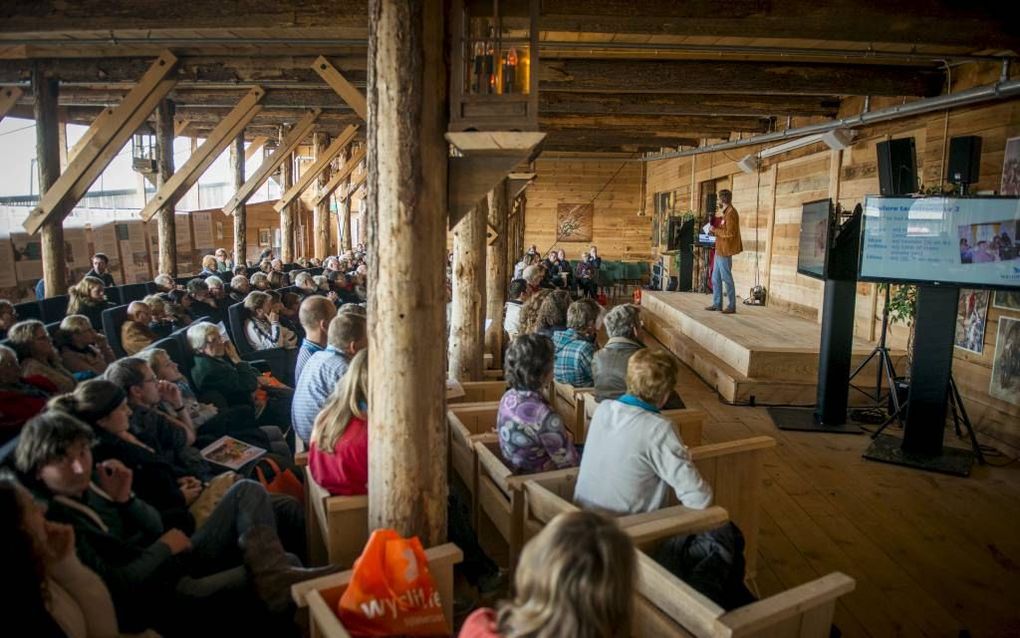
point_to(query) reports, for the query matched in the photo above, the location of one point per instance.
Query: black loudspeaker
(964, 160)
(897, 167)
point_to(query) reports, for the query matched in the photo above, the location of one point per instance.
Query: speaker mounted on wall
(897, 167)
(964, 166)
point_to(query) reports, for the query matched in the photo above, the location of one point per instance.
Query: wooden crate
(336, 526)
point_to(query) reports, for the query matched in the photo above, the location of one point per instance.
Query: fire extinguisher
(637, 296)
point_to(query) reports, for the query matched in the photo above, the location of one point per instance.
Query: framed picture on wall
(971, 316)
(265, 236)
(1007, 299)
(1011, 168)
(574, 222)
(1005, 382)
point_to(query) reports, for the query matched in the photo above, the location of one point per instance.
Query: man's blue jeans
(723, 272)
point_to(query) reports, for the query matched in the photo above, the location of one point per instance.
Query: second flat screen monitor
(812, 258)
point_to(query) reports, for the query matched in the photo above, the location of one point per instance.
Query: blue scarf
(630, 399)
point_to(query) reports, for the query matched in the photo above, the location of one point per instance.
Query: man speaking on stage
(727, 244)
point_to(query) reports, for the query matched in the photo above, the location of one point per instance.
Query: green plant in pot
(903, 309)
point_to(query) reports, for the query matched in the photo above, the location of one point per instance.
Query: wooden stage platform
(758, 356)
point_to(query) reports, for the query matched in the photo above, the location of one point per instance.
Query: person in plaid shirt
(575, 346)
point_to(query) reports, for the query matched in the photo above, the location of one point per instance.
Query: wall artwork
(1005, 383)
(1011, 168)
(265, 236)
(574, 222)
(971, 316)
(1007, 299)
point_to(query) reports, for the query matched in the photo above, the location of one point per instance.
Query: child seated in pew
(633, 456)
(575, 346)
(532, 437)
(575, 578)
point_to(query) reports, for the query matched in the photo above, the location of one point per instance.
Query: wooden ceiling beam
(336, 80)
(8, 99)
(273, 162)
(595, 138)
(254, 147)
(203, 157)
(323, 97)
(556, 102)
(980, 24)
(108, 134)
(313, 171)
(699, 77)
(341, 175)
(610, 123)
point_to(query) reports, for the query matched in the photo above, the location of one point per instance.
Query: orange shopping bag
(391, 591)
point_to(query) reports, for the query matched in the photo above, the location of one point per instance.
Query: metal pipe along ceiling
(997, 91)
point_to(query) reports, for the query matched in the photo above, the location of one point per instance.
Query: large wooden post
(237, 160)
(344, 213)
(320, 216)
(287, 214)
(407, 159)
(467, 321)
(166, 228)
(496, 272)
(47, 149)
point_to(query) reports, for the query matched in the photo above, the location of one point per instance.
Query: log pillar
(344, 213)
(287, 214)
(320, 216)
(496, 277)
(237, 160)
(47, 148)
(166, 228)
(467, 320)
(407, 202)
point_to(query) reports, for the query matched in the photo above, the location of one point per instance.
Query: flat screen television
(813, 254)
(969, 242)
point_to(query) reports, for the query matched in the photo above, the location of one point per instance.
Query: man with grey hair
(533, 274)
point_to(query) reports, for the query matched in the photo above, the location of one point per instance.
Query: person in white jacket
(632, 455)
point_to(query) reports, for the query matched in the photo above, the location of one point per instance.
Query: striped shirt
(318, 379)
(308, 348)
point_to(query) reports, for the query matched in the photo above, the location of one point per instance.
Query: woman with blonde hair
(36, 355)
(338, 455)
(575, 578)
(88, 297)
(83, 351)
(530, 310)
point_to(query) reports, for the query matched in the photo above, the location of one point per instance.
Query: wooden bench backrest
(321, 595)
(341, 522)
(688, 423)
(735, 470)
(570, 405)
(469, 422)
(480, 391)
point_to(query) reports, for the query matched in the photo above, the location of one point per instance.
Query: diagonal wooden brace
(340, 176)
(8, 98)
(105, 138)
(350, 94)
(273, 162)
(203, 157)
(334, 149)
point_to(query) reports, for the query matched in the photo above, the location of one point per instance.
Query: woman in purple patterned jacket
(532, 437)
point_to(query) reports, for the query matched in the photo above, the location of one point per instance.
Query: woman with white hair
(83, 351)
(262, 328)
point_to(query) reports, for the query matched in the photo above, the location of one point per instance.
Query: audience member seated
(101, 270)
(338, 455)
(161, 323)
(88, 297)
(218, 368)
(37, 356)
(277, 279)
(224, 265)
(266, 265)
(209, 266)
(202, 303)
(586, 273)
(512, 317)
(239, 289)
(51, 592)
(136, 333)
(8, 317)
(529, 311)
(532, 437)
(262, 328)
(164, 283)
(525, 261)
(260, 281)
(315, 314)
(575, 346)
(84, 352)
(241, 270)
(157, 577)
(289, 308)
(534, 275)
(632, 455)
(306, 284)
(347, 335)
(574, 578)
(179, 307)
(218, 293)
(20, 399)
(552, 314)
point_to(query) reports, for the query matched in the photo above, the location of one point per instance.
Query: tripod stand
(885, 368)
(959, 417)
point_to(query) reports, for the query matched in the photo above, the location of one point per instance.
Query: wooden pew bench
(479, 392)
(321, 595)
(468, 423)
(337, 526)
(689, 422)
(665, 606)
(569, 402)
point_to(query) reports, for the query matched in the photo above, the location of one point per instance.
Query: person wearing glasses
(37, 356)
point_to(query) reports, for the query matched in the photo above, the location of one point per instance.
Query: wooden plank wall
(786, 182)
(619, 232)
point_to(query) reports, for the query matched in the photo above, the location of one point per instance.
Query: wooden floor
(932, 555)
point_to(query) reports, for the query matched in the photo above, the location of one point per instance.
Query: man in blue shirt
(575, 346)
(348, 334)
(315, 314)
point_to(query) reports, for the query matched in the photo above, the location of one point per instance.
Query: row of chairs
(53, 309)
(620, 274)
